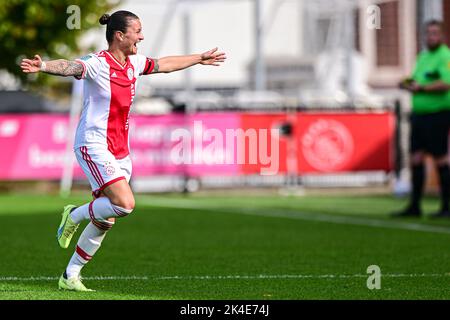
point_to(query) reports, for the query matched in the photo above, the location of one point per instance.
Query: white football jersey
(109, 89)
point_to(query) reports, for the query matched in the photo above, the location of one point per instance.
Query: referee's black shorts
(429, 133)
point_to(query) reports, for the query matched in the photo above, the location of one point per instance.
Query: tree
(51, 28)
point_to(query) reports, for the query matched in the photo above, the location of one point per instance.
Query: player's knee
(104, 224)
(125, 202)
(123, 205)
(123, 211)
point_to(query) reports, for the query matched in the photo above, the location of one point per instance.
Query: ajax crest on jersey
(109, 169)
(130, 73)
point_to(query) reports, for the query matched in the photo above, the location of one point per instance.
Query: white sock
(101, 209)
(88, 244)
(81, 213)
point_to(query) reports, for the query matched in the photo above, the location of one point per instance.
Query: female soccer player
(101, 141)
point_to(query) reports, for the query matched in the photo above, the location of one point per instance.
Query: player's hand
(410, 85)
(415, 87)
(406, 83)
(31, 66)
(212, 57)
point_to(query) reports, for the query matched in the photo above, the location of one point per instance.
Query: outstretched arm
(437, 87)
(175, 63)
(59, 67)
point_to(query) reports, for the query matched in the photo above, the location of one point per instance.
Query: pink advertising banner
(34, 145)
(176, 144)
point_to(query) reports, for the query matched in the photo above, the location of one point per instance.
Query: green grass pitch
(232, 247)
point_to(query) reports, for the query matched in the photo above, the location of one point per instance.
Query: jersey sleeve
(91, 66)
(444, 69)
(414, 74)
(145, 64)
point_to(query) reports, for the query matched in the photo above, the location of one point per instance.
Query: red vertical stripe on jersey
(122, 93)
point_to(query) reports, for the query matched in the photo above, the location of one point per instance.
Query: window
(387, 38)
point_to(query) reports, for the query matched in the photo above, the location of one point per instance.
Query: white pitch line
(297, 215)
(231, 277)
(48, 278)
(300, 276)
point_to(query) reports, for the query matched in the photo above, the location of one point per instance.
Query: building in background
(318, 52)
(315, 52)
(299, 54)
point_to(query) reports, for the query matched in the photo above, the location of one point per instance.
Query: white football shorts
(102, 168)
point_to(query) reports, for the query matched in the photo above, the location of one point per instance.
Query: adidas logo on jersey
(114, 75)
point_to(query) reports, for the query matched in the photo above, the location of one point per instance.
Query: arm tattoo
(156, 67)
(64, 68)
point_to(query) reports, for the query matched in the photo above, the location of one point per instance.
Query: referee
(430, 118)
